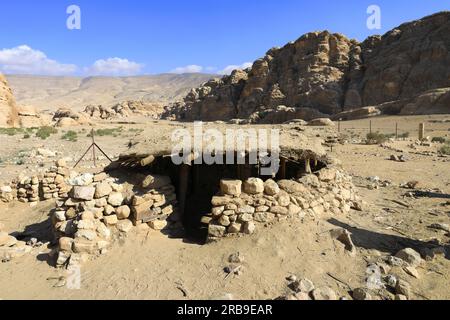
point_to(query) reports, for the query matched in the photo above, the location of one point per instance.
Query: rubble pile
(28, 190)
(243, 205)
(54, 183)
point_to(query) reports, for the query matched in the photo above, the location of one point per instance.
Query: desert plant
(445, 149)
(26, 136)
(10, 131)
(71, 136)
(404, 135)
(376, 138)
(439, 139)
(107, 132)
(45, 132)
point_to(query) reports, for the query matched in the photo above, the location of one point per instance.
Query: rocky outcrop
(9, 116)
(405, 71)
(124, 110)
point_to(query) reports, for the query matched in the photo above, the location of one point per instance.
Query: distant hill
(51, 93)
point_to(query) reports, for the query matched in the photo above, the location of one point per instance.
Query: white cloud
(25, 60)
(193, 68)
(114, 67)
(229, 69)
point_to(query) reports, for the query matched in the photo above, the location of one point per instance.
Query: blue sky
(155, 36)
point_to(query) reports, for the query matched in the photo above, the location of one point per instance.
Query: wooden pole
(183, 187)
(422, 131)
(370, 126)
(93, 147)
(283, 168)
(396, 130)
(308, 166)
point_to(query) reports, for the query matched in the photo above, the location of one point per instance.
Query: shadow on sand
(385, 242)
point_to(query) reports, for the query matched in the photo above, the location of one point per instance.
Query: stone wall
(87, 222)
(242, 207)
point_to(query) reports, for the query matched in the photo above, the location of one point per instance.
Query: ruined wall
(244, 207)
(99, 208)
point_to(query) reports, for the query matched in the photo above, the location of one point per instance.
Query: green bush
(107, 132)
(10, 131)
(445, 150)
(404, 135)
(376, 138)
(71, 136)
(26, 136)
(439, 139)
(45, 132)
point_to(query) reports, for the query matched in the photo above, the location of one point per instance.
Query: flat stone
(303, 285)
(249, 228)
(86, 225)
(115, 199)
(235, 227)
(283, 199)
(279, 210)
(158, 224)
(361, 294)
(246, 210)
(124, 226)
(224, 221)
(216, 230)
(110, 220)
(324, 293)
(103, 231)
(231, 187)
(271, 188)
(410, 256)
(83, 193)
(403, 288)
(90, 235)
(102, 190)
(123, 212)
(217, 211)
(254, 186)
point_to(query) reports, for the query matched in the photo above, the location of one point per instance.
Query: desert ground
(151, 265)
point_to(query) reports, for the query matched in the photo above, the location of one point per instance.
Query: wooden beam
(183, 187)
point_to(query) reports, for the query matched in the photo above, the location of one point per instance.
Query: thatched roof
(295, 143)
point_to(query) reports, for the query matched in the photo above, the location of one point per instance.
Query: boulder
(102, 190)
(115, 199)
(231, 187)
(271, 188)
(83, 193)
(124, 226)
(254, 186)
(410, 256)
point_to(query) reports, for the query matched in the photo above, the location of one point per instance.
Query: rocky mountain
(9, 116)
(323, 74)
(52, 93)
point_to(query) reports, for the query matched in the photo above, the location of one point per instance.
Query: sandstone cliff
(321, 74)
(9, 116)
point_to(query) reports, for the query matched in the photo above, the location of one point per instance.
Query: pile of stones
(28, 190)
(99, 210)
(54, 183)
(241, 206)
(10, 247)
(8, 193)
(157, 207)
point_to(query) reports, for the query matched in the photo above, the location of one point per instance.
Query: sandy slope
(54, 92)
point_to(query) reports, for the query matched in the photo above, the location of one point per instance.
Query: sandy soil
(150, 265)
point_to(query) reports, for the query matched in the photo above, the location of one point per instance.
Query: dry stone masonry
(242, 207)
(98, 209)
